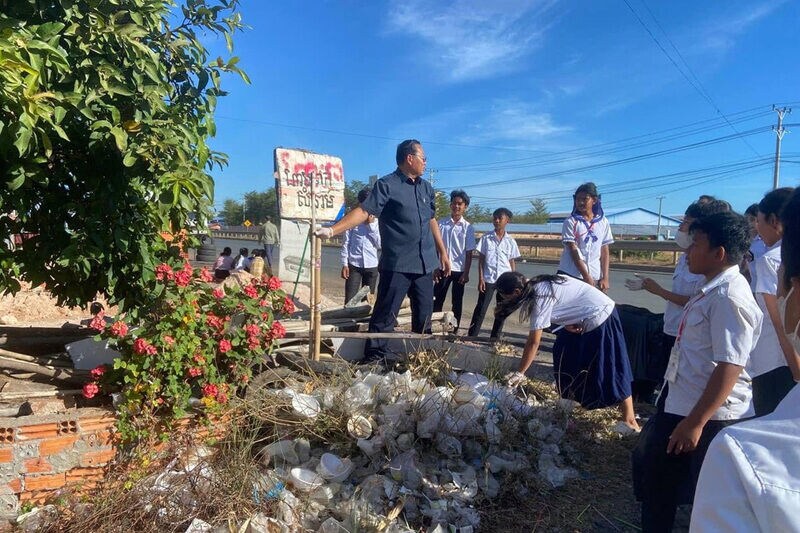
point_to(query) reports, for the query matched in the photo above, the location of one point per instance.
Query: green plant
(106, 108)
(198, 341)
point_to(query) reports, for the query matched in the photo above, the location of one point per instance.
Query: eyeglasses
(422, 157)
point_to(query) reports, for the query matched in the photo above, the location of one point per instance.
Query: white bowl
(333, 468)
(359, 427)
(304, 479)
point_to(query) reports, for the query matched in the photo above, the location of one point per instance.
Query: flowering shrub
(200, 340)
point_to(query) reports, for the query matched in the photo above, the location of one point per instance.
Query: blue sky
(515, 99)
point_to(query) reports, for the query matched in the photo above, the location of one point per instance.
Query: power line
(698, 86)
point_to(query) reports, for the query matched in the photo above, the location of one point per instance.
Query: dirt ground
(37, 306)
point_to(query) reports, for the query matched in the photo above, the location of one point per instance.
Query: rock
(8, 320)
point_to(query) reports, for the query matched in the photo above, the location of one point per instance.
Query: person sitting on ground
(707, 387)
(590, 360)
(586, 235)
(749, 478)
(223, 265)
(241, 261)
(497, 254)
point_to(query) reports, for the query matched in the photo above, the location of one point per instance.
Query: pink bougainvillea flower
(253, 343)
(277, 331)
(225, 346)
(169, 341)
(206, 275)
(183, 278)
(252, 330)
(98, 322)
(164, 272)
(198, 357)
(219, 294)
(222, 397)
(119, 329)
(195, 371)
(90, 390)
(142, 347)
(251, 291)
(274, 283)
(98, 371)
(213, 321)
(288, 306)
(209, 389)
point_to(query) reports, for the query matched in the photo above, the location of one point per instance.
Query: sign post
(310, 187)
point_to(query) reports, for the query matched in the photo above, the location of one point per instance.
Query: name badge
(672, 366)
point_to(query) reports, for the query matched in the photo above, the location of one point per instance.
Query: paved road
(333, 287)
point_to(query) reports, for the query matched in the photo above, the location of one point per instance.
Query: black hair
(242, 253)
(508, 282)
(589, 188)
(363, 193)
(406, 148)
(773, 202)
(96, 307)
(751, 211)
(458, 193)
(705, 198)
(500, 211)
(729, 230)
(790, 245)
(703, 208)
(226, 251)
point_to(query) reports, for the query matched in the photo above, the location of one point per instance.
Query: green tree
(255, 207)
(478, 213)
(351, 191)
(442, 200)
(538, 213)
(232, 213)
(105, 112)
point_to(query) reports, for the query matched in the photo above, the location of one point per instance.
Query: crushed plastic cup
(359, 427)
(281, 451)
(333, 468)
(305, 406)
(304, 479)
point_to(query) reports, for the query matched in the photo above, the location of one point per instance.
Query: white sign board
(294, 172)
(294, 234)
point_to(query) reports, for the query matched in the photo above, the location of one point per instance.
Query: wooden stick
(42, 360)
(317, 295)
(11, 396)
(65, 374)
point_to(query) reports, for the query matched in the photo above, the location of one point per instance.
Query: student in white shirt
(241, 261)
(684, 283)
(590, 360)
(459, 241)
(707, 387)
(498, 252)
(749, 479)
(586, 235)
(757, 246)
(768, 367)
(359, 254)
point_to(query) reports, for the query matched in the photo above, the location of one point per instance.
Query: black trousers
(770, 388)
(359, 277)
(664, 481)
(481, 306)
(392, 288)
(440, 293)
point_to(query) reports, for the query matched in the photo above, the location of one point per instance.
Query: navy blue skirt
(593, 368)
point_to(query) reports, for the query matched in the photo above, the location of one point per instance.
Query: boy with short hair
(459, 240)
(360, 254)
(707, 387)
(498, 251)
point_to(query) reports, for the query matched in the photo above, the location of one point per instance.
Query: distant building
(630, 216)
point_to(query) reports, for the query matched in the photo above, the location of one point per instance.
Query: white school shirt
(459, 239)
(721, 324)
(569, 303)
(757, 248)
(749, 480)
(686, 284)
(360, 246)
(767, 354)
(575, 230)
(497, 255)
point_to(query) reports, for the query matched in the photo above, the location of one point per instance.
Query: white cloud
(720, 34)
(473, 39)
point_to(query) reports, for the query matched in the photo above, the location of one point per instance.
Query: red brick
(7, 435)
(37, 497)
(45, 482)
(38, 431)
(15, 485)
(80, 474)
(56, 444)
(98, 458)
(96, 424)
(6, 455)
(37, 466)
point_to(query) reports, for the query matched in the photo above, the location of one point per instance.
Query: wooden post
(313, 328)
(317, 293)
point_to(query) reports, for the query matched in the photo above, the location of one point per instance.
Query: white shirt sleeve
(727, 485)
(568, 230)
(344, 253)
(542, 311)
(514, 250)
(608, 238)
(766, 275)
(734, 331)
(375, 234)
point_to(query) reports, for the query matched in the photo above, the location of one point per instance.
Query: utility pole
(244, 209)
(779, 131)
(658, 227)
(431, 174)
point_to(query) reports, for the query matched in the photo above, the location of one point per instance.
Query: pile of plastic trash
(423, 455)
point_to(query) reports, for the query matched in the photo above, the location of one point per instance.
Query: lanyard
(686, 310)
(589, 233)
